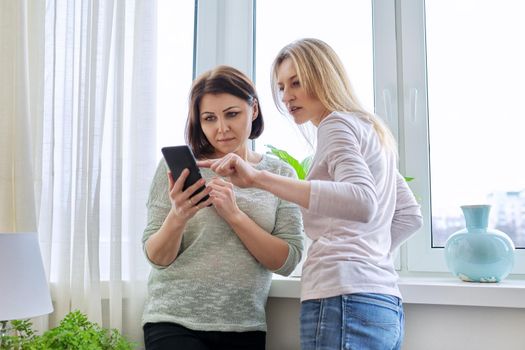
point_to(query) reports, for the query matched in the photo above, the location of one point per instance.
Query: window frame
(230, 26)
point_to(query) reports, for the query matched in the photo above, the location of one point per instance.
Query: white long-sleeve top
(360, 210)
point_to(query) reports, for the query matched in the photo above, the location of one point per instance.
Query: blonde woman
(356, 206)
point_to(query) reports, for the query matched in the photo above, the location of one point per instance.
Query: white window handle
(387, 104)
(413, 105)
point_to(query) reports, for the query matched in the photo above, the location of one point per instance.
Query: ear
(255, 109)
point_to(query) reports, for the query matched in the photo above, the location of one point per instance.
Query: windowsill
(434, 291)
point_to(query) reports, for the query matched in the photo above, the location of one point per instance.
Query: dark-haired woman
(212, 265)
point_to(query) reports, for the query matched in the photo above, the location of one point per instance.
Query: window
(275, 29)
(475, 85)
(174, 69)
(174, 76)
(437, 73)
(462, 82)
(279, 23)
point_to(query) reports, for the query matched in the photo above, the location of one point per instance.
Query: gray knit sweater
(215, 284)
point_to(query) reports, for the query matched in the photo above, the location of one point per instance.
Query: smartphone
(179, 158)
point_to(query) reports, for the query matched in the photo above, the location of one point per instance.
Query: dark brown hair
(219, 80)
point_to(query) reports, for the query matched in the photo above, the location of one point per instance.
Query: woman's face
(226, 120)
(300, 105)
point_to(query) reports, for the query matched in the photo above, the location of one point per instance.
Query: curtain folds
(78, 138)
(17, 92)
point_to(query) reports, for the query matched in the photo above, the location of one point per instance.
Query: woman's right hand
(183, 204)
(241, 173)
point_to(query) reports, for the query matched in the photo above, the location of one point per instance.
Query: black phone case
(179, 158)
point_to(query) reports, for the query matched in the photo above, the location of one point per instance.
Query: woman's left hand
(223, 198)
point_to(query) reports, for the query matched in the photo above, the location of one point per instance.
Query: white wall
(282, 318)
(428, 327)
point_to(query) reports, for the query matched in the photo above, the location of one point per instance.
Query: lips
(293, 109)
(226, 140)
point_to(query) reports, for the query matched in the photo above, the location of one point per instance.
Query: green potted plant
(301, 168)
(74, 332)
(19, 335)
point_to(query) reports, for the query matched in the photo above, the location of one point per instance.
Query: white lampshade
(24, 291)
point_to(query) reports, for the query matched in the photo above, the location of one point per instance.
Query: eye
(281, 89)
(209, 118)
(232, 114)
(296, 83)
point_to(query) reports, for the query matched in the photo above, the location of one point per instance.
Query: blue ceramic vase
(477, 253)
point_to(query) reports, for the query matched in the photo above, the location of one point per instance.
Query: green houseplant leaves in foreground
(301, 168)
(74, 332)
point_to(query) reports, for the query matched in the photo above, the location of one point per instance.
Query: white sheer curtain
(81, 95)
(20, 100)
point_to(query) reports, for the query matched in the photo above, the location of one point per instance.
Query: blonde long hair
(322, 74)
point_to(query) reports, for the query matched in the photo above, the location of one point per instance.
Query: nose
(287, 96)
(223, 125)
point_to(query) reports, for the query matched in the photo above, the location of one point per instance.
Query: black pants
(171, 336)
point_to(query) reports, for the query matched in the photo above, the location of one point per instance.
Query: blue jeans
(362, 321)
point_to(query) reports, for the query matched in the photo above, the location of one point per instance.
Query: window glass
(344, 25)
(174, 69)
(475, 68)
(174, 77)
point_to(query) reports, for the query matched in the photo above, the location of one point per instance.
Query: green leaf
(307, 163)
(408, 179)
(286, 157)
(75, 331)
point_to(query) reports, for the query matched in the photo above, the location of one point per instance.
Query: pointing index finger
(205, 163)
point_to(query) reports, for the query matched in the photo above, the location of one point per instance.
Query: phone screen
(179, 158)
